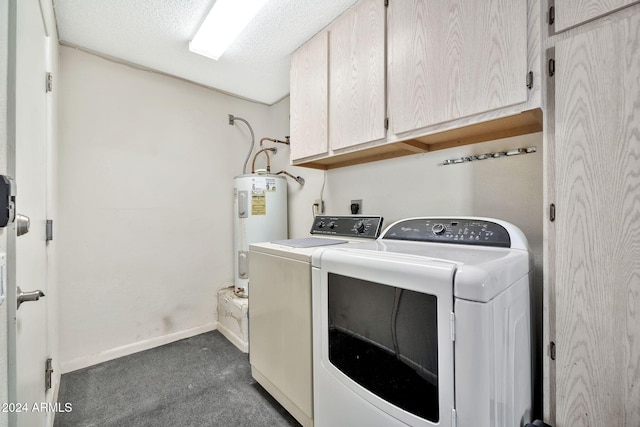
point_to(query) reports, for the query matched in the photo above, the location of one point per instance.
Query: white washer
(428, 325)
(280, 342)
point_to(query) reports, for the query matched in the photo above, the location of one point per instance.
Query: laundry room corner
(146, 167)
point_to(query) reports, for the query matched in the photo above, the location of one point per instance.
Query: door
(382, 348)
(454, 59)
(596, 282)
(357, 79)
(570, 13)
(310, 98)
(29, 350)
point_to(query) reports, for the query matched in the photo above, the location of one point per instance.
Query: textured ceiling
(156, 33)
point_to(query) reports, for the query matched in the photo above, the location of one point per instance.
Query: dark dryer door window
(386, 339)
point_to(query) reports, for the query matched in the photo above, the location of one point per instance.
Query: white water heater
(259, 215)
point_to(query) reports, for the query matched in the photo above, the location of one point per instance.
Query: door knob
(22, 224)
(28, 296)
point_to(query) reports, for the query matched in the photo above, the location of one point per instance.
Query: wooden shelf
(518, 124)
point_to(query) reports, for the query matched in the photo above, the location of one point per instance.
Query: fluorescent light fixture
(225, 21)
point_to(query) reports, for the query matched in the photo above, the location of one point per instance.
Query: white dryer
(428, 325)
(280, 350)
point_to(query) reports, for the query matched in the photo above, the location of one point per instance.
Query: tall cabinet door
(597, 229)
(451, 59)
(357, 90)
(309, 98)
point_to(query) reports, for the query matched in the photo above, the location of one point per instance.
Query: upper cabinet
(454, 72)
(338, 84)
(309, 100)
(569, 13)
(357, 107)
(451, 59)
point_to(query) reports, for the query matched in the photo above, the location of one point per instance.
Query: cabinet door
(357, 108)
(451, 59)
(569, 13)
(597, 229)
(309, 98)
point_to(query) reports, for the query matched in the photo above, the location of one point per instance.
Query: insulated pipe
(232, 120)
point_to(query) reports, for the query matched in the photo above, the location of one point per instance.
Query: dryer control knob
(360, 227)
(438, 229)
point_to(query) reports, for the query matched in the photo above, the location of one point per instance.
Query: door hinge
(49, 230)
(552, 15)
(386, 3)
(49, 82)
(454, 417)
(552, 350)
(48, 370)
(552, 67)
(530, 80)
(552, 212)
(452, 325)
(386, 123)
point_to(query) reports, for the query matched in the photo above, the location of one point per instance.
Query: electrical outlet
(318, 207)
(355, 207)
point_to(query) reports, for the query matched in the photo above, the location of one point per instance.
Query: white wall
(145, 174)
(145, 180)
(508, 188)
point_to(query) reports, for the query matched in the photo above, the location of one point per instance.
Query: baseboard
(94, 359)
(235, 339)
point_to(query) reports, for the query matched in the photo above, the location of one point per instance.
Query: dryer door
(383, 353)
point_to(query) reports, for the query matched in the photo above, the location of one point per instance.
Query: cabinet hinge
(48, 370)
(49, 82)
(452, 325)
(552, 350)
(49, 230)
(386, 123)
(530, 80)
(551, 67)
(552, 15)
(386, 3)
(552, 212)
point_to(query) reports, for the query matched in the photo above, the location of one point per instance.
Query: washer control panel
(450, 230)
(367, 227)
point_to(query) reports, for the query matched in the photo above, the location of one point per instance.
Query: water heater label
(258, 203)
(264, 184)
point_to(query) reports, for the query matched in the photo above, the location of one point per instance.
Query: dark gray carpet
(200, 381)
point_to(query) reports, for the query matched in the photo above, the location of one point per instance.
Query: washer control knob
(360, 227)
(438, 229)
(320, 224)
(332, 225)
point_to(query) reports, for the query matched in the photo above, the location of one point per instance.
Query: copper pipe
(298, 179)
(274, 140)
(266, 153)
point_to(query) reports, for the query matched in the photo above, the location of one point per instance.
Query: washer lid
(481, 272)
(483, 282)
